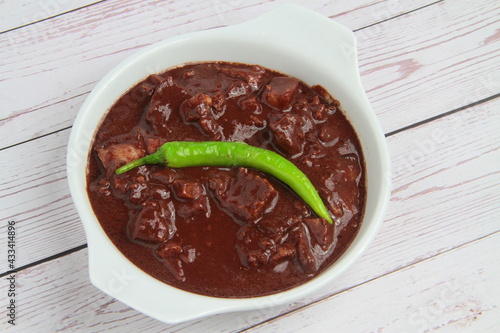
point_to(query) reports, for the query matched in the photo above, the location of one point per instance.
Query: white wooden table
(431, 70)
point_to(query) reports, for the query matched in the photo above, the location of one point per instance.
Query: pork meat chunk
(288, 133)
(114, 155)
(246, 196)
(155, 223)
(280, 92)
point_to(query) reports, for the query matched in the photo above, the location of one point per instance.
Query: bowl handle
(305, 29)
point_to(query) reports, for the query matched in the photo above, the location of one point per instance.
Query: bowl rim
(120, 278)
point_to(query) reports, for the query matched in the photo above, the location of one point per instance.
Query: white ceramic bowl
(289, 39)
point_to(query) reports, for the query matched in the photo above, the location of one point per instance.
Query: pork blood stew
(227, 232)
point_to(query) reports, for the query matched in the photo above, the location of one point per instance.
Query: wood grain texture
(89, 42)
(34, 193)
(408, 237)
(414, 299)
(419, 298)
(18, 13)
(430, 61)
(434, 264)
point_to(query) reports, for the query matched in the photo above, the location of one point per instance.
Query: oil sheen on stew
(227, 232)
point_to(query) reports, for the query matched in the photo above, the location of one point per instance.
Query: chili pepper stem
(154, 158)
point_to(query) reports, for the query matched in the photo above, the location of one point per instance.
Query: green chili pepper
(179, 154)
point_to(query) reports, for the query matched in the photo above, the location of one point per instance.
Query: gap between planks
(397, 15)
(44, 260)
(50, 17)
(442, 115)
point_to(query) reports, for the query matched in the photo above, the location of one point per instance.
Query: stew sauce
(227, 232)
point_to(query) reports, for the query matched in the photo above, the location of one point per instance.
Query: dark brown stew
(227, 232)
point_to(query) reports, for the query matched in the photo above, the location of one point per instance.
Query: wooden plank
(420, 298)
(89, 42)
(34, 193)
(437, 59)
(416, 298)
(434, 165)
(23, 12)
